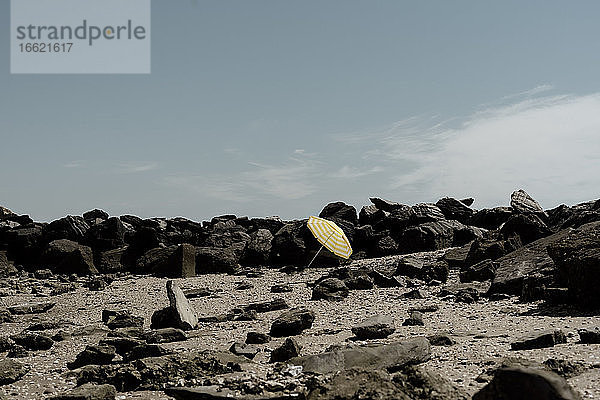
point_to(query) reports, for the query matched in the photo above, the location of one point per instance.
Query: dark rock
(272, 224)
(257, 338)
(245, 315)
(414, 294)
(481, 271)
(165, 335)
(370, 215)
(95, 215)
(246, 350)
(215, 392)
(577, 259)
(390, 356)
(357, 383)
(98, 283)
(17, 351)
(121, 319)
(565, 368)
(540, 340)
(441, 340)
(415, 319)
(554, 295)
(466, 295)
(376, 327)
(521, 202)
(385, 205)
(530, 259)
(589, 336)
(385, 246)
(197, 292)
(6, 316)
(425, 212)
(431, 236)
(94, 354)
(454, 209)
(33, 341)
(526, 383)
(88, 391)
(490, 218)
(468, 201)
(43, 274)
(216, 260)
(258, 249)
(529, 227)
(24, 243)
(45, 326)
(106, 235)
(420, 383)
(292, 322)
(70, 227)
(277, 303)
(330, 289)
(122, 345)
(410, 266)
(456, 257)
(68, 257)
(490, 248)
(340, 210)
(244, 286)
(145, 350)
(396, 220)
(281, 288)
(534, 287)
(6, 267)
(11, 371)
(289, 349)
(173, 262)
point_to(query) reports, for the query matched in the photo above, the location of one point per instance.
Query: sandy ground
(483, 331)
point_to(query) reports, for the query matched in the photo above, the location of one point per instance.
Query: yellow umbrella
(330, 236)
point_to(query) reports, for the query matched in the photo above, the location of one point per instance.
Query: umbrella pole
(313, 259)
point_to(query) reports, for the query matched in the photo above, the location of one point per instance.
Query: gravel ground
(483, 331)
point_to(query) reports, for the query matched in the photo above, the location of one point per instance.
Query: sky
(268, 107)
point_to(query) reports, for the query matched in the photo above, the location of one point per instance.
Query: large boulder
(11, 371)
(577, 259)
(292, 322)
(454, 209)
(289, 245)
(397, 219)
(436, 236)
(425, 212)
(70, 227)
(106, 235)
(258, 249)
(527, 260)
(67, 257)
(528, 227)
(217, 260)
(341, 211)
(25, 243)
(330, 289)
(385, 205)
(390, 356)
(490, 218)
(173, 262)
(526, 383)
(521, 202)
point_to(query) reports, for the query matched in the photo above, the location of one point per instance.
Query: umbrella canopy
(330, 236)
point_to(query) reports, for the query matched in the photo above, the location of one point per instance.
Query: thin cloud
(74, 164)
(349, 172)
(134, 167)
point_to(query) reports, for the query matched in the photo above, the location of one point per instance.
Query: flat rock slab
(526, 383)
(540, 340)
(183, 313)
(376, 327)
(31, 308)
(389, 356)
(88, 391)
(216, 393)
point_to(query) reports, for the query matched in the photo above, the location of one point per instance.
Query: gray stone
(67, 257)
(288, 349)
(540, 340)
(165, 335)
(524, 203)
(330, 289)
(376, 327)
(11, 371)
(88, 391)
(292, 322)
(184, 314)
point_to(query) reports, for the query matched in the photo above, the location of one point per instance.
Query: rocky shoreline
(439, 301)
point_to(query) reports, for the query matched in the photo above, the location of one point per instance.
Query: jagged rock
(415, 319)
(330, 289)
(454, 209)
(467, 295)
(165, 335)
(106, 235)
(481, 271)
(441, 339)
(414, 294)
(577, 258)
(246, 350)
(456, 257)
(390, 356)
(565, 368)
(292, 322)
(67, 257)
(526, 383)
(521, 202)
(490, 218)
(288, 349)
(257, 338)
(95, 216)
(258, 249)
(33, 341)
(385, 246)
(93, 354)
(43, 274)
(24, 243)
(183, 313)
(376, 327)
(70, 227)
(122, 345)
(173, 262)
(435, 236)
(6, 267)
(530, 259)
(385, 205)
(529, 227)
(281, 288)
(145, 350)
(88, 391)
(215, 392)
(420, 383)
(370, 215)
(590, 336)
(540, 340)
(11, 371)
(341, 211)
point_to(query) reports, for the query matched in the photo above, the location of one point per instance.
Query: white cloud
(349, 172)
(135, 167)
(74, 164)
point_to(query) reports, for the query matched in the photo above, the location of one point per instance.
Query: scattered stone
(266, 306)
(246, 350)
(165, 335)
(31, 308)
(526, 383)
(466, 295)
(17, 351)
(565, 368)
(244, 286)
(414, 294)
(93, 354)
(330, 289)
(281, 288)
(11, 371)
(145, 350)
(540, 340)
(292, 322)
(122, 345)
(43, 274)
(257, 338)
(441, 339)
(482, 271)
(415, 319)
(33, 341)
(376, 327)
(589, 336)
(289, 349)
(6, 316)
(197, 292)
(121, 319)
(88, 391)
